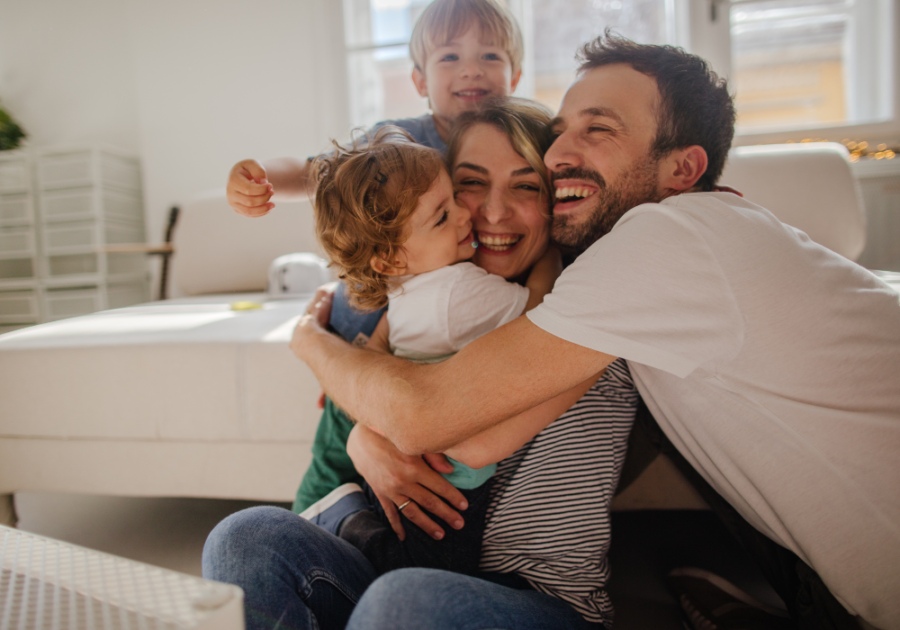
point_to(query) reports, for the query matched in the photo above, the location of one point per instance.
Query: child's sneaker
(331, 510)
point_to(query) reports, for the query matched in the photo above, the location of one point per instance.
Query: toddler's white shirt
(435, 314)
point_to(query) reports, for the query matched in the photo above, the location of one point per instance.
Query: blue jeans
(412, 599)
(296, 575)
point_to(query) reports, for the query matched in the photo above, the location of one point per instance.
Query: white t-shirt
(435, 314)
(773, 365)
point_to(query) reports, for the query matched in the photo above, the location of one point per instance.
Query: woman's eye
(468, 183)
(442, 220)
(529, 187)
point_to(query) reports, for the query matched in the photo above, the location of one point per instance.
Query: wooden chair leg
(8, 514)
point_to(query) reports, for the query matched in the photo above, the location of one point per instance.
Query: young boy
(464, 51)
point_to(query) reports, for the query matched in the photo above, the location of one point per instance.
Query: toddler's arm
(503, 439)
(542, 277)
(252, 185)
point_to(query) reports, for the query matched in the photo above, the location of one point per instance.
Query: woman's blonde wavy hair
(526, 124)
(365, 194)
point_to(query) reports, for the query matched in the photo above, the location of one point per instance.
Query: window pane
(378, 63)
(810, 63)
(562, 26)
(381, 87)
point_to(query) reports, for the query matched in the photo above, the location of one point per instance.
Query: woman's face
(509, 214)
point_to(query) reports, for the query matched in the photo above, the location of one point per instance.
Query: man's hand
(397, 478)
(249, 191)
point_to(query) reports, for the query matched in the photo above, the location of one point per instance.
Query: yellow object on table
(245, 306)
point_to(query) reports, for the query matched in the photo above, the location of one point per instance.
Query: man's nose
(562, 153)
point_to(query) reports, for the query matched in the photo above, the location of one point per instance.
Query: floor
(170, 533)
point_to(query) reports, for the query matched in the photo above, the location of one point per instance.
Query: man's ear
(682, 168)
(418, 78)
(515, 81)
(380, 265)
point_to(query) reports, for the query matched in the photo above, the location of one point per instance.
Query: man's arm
(430, 408)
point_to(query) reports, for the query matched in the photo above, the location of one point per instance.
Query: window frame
(693, 30)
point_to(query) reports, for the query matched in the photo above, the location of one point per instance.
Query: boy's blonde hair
(526, 124)
(444, 20)
(365, 194)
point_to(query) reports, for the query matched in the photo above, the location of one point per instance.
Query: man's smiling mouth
(573, 193)
(496, 243)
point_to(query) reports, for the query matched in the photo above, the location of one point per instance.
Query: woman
(299, 576)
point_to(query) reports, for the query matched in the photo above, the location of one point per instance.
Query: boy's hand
(397, 478)
(249, 190)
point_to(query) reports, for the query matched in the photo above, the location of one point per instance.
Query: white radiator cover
(48, 584)
(879, 181)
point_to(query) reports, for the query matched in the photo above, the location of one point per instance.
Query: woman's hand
(397, 478)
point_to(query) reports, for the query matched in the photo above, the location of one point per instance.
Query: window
(810, 64)
(796, 66)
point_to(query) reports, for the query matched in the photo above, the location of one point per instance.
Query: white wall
(66, 73)
(191, 86)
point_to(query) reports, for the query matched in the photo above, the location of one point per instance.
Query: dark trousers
(459, 551)
(808, 600)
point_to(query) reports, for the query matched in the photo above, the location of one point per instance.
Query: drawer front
(13, 176)
(18, 307)
(17, 242)
(16, 268)
(63, 205)
(80, 203)
(72, 264)
(63, 170)
(15, 209)
(62, 303)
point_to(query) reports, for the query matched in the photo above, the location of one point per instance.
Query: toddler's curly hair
(365, 194)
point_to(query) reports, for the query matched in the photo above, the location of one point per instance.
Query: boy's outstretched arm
(252, 185)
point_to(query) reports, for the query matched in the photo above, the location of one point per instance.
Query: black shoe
(711, 602)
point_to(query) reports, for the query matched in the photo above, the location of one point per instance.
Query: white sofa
(188, 398)
(183, 397)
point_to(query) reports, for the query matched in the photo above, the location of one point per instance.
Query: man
(770, 362)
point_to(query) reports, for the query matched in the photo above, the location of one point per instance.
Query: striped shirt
(548, 519)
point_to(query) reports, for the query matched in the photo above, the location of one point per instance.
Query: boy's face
(462, 72)
(440, 232)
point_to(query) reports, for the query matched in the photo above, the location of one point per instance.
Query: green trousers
(331, 466)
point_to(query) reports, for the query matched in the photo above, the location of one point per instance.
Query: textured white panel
(48, 584)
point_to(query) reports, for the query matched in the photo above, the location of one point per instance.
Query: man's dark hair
(695, 106)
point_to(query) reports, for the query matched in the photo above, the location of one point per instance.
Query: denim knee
(240, 537)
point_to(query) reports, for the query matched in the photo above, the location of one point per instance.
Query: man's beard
(637, 186)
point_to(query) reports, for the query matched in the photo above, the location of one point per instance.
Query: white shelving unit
(58, 209)
(19, 259)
